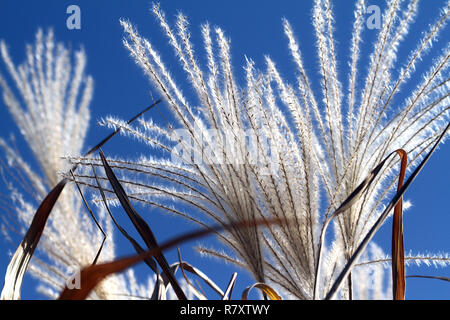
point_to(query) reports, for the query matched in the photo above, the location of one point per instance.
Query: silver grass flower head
(53, 116)
(312, 149)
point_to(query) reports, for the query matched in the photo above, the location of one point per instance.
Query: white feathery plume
(271, 149)
(56, 94)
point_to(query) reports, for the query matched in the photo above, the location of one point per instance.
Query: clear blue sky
(255, 30)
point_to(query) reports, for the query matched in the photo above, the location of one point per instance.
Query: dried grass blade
(269, 291)
(352, 261)
(184, 266)
(230, 287)
(93, 218)
(141, 226)
(430, 277)
(198, 294)
(150, 261)
(398, 248)
(191, 269)
(363, 186)
(19, 262)
(159, 290)
(93, 274)
(112, 134)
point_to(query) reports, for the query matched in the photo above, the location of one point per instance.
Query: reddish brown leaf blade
(93, 274)
(141, 226)
(398, 248)
(19, 262)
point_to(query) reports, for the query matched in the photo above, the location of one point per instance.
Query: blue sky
(255, 30)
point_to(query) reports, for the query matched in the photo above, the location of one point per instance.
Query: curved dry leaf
(184, 266)
(163, 282)
(19, 262)
(269, 291)
(194, 290)
(191, 269)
